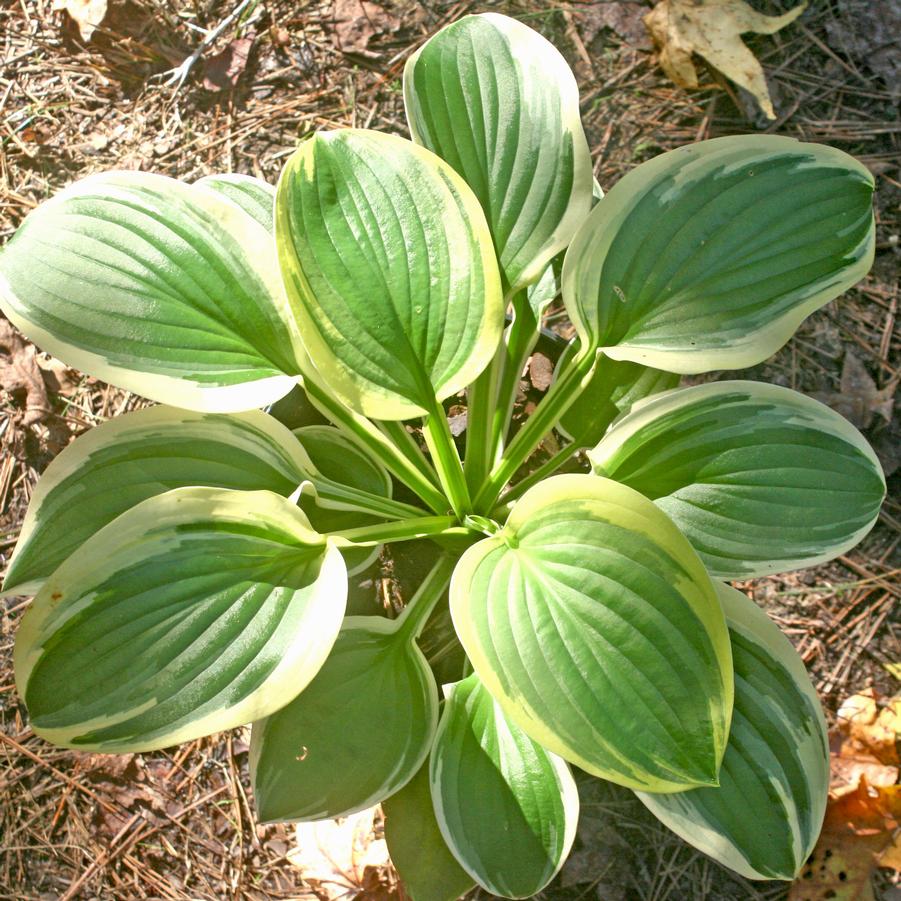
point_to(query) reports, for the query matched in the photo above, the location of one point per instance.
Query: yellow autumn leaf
(713, 29)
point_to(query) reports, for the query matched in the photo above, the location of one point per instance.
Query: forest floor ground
(179, 824)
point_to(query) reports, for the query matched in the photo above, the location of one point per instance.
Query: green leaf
(614, 386)
(355, 735)
(594, 624)
(255, 196)
(506, 807)
(115, 466)
(338, 458)
(764, 819)
(388, 263)
(760, 479)
(196, 611)
(709, 256)
(418, 851)
(499, 103)
(166, 289)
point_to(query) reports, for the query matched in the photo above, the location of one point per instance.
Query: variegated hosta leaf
(355, 735)
(764, 818)
(499, 103)
(760, 479)
(418, 851)
(338, 458)
(115, 466)
(197, 610)
(506, 807)
(255, 196)
(593, 622)
(166, 289)
(709, 256)
(614, 386)
(388, 262)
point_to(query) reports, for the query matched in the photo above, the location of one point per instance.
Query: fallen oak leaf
(713, 29)
(19, 371)
(86, 14)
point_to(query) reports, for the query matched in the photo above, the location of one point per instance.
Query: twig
(179, 74)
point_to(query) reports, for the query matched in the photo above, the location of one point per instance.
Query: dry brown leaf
(623, 18)
(337, 857)
(19, 371)
(541, 372)
(357, 22)
(86, 14)
(713, 29)
(223, 70)
(859, 399)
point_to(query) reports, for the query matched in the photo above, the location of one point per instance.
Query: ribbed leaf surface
(506, 807)
(255, 196)
(760, 479)
(388, 261)
(765, 817)
(166, 289)
(709, 256)
(355, 735)
(593, 622)
(115, 466)
(196, 611)
(499, 103)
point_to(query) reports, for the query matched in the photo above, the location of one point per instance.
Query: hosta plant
(190, 561)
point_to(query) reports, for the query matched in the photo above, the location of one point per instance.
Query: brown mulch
(179, 824)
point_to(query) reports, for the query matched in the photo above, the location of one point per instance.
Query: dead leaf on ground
(858, 399)
(624, 19)
(86, 14)
(222, 71)
(19, 371)
(357, 22)
(541, 372)
(338, 857)
(713, 29)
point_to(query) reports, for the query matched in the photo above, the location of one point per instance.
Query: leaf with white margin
(340, 459)
(764, 819)
(166, 289)
(255, 196)
(591, 620)
(760, 479)
(389, 266)
(614, 387)
(418, 851)
(506, 807)
(355, 735)
(120, 463)
(198, 610)
(710, 256)
(499, 103)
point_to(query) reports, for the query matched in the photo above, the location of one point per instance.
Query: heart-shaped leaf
(506, 807)
(389, 265)
(593, 623)
(115, 466)
(765, 817)
(166, 289)
(709, 256)
(499, 103)
(355, 735)
(760, 479)
(197, 610)
(418, 851)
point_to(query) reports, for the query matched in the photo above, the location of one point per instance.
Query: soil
(179, 824)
